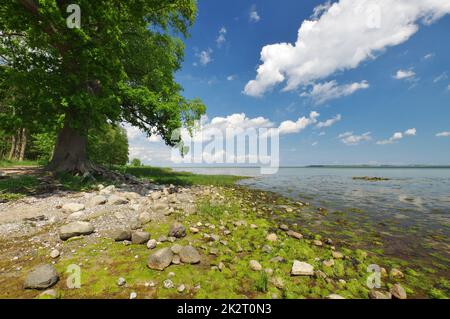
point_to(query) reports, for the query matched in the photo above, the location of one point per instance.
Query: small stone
(98, 200)
(255, 265)
(214, 251)
(226, 232)
(337, 255)
(277, 259)
(278, 282)
(168, 284)
(284, 227)
(221, 266)
(41, 277)
(176, 248)
(151, 243)
(272, 237)
(320, 274)
(171, 239)
(75, 229)
(378, 294)
(117, 200)
(140, 237)
(253, 226)
(335, 296)
(300, 268)
(317, 243)
(181, 288)
(121, 282)
(269, 271)
(133, 295)
(162, 239)
(54, 253)
(76, 216)
(267, 249)
(177, 230)
(398, 292)
(171, 274)
(121, 235)
(215, 237)
(328, 263)
(107, 190)
(396, 273)
(294, 234)
(73, 207)
(161, 259)
(189, 255)
(194, 230)
(176, 260)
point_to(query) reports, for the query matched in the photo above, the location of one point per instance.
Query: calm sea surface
(411, 196)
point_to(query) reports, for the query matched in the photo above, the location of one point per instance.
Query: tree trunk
(70, 153)
(13, 147)
(23, 143)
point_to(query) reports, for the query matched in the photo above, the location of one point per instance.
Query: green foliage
(119, 66)
(136, 162)
(41, 146)
(108, 145)
(262, 282)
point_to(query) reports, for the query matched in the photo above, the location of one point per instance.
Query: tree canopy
(117, 67)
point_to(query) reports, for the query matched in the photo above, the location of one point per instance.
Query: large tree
(117, 67)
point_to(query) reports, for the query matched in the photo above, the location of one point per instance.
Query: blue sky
(385, 83)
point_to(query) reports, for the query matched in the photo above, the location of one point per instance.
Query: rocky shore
(164, 241)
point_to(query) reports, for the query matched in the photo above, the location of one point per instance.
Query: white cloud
(346, 34)
(329, 122)
(429, 56)
(396, 137)
(351, 139)
(231, 77)
(443, 134)
(404, 74)
(320, 9)
(221, 37)
(448, 87)
(290, 127)
(441, 77)
(205, 57)
(254, 15)
(323, 92)
(315, 143)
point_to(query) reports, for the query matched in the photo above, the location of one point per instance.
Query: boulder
(189, 255)
(121, 235)
(300, 268)
(75, 229)
(177, 230)
(161, 259)
(41, 277)
(140, 237)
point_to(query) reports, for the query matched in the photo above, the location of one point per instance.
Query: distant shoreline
(328, 166)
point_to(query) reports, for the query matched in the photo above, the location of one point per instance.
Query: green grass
(8, 163)
(168, 176)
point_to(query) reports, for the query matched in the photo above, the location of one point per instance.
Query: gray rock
(140, 237)
(73, 207)
(294, 234)
(75, 229)
(255, 265)
(54, 253)
(300, 268)
(398, 292)
(41, 277)
(161, 259)
(378, 294)
(176, 249)
(121, 282)
(284, 227)
(144, 218)
(162, 239)
(152, 243)
(177, 230)
(121, 235)
(181, 288)
(189, 255)
(76, 216)
(176, 260)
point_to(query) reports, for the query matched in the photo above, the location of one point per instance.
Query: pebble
(151, 243)
(133, 295)
(272, 237)
(168, 284)
(300, 268)
(396, 273)
(181, 288)
(398, 292)
(121, 282)
(255, 265)
(54, 253)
